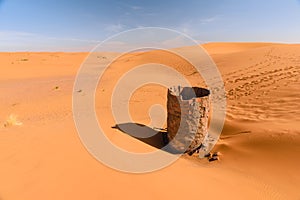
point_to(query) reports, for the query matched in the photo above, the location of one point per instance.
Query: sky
(79, 25)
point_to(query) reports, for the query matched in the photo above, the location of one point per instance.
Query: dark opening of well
(188, 93)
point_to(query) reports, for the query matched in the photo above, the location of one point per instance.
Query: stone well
(188, 111)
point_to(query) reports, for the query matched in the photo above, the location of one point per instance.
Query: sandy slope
(260, 143)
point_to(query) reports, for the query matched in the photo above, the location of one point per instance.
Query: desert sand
(42, 157)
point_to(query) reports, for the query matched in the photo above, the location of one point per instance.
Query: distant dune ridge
(259, 146)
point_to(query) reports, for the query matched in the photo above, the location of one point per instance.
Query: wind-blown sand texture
(41, 156)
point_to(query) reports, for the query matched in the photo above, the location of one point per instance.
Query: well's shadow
(156, 138)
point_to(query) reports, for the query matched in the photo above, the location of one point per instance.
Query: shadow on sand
(154, 137)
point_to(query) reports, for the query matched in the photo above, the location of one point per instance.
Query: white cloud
(174, 42)
(209, 19)
(192, 27)
(73, 39)
(136, 7)
(15, 34)
(6, 35)
(150, 14)
(187, 28)
(115, 28)
(25, 41)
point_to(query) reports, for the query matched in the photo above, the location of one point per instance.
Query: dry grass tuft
(12, 120)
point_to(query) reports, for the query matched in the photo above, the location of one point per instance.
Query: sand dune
(226, 47)
(44, 159)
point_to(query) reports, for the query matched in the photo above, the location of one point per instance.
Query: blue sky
(79, 25)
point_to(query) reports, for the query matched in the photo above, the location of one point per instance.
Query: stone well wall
(188, 111)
